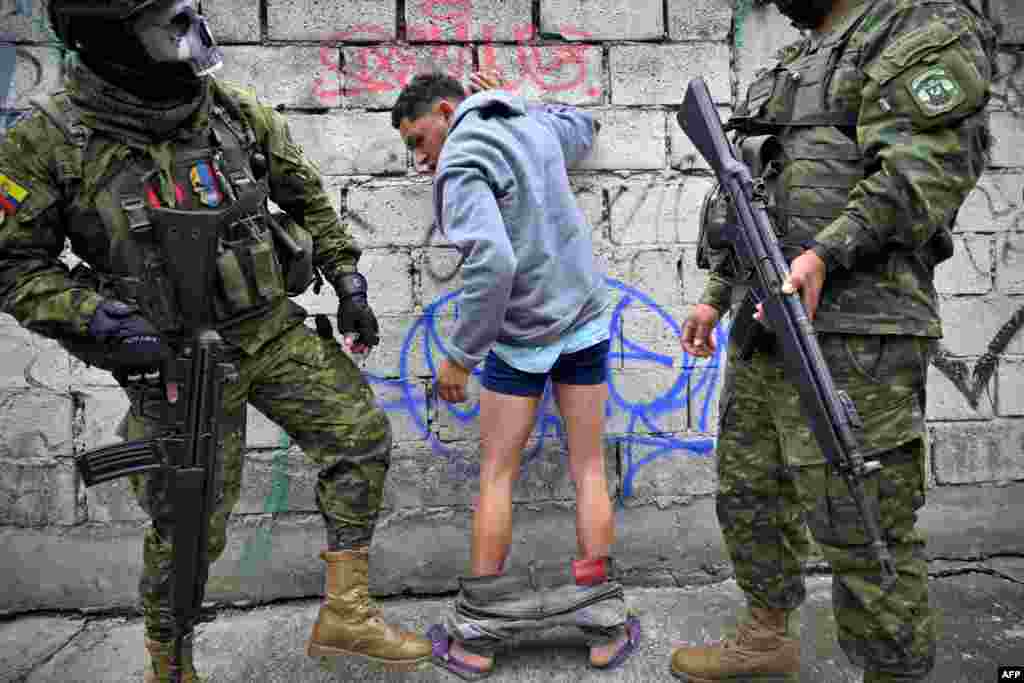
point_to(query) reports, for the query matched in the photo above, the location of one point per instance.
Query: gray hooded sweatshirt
(502, 196)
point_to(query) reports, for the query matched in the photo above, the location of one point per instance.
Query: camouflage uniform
(89, 192)
(883, 135)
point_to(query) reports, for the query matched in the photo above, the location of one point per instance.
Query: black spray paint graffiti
(1008, 95)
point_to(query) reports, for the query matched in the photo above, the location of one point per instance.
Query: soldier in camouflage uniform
(880, 114)
(141, 125)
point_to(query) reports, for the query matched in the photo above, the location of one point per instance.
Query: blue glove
(131, 343)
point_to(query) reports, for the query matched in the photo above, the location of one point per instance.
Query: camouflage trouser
(773, 484)
(311, 389)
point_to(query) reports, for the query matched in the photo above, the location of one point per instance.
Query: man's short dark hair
(423, 91)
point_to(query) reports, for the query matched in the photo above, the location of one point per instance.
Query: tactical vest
(802, 104)
(797, 130)
(218, 172)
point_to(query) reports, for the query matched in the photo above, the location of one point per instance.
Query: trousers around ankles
(311, 389)
(772, 477)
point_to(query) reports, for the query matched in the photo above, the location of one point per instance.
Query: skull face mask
(174, 32)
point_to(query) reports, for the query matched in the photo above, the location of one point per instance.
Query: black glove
(354, 313)
(131, 343)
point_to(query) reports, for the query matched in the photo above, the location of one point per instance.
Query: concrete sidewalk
(981, 617)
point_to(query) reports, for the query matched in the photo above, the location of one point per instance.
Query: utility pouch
(294, 245)
(747, 333)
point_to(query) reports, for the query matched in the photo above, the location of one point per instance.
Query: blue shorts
(589, 366)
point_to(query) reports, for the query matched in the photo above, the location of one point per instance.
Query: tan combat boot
(349, 623)
(160, 668)
(766, 649)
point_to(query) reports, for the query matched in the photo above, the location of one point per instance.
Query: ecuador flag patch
(11, 195)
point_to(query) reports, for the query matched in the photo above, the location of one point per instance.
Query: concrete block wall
(335, 69)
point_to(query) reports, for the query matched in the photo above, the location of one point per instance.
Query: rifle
(188, 453)
(758, 259)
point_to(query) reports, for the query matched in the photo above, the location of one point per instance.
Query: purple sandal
(440, 644)
(627, 649)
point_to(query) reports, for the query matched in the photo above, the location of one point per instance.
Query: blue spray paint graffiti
(643, 439)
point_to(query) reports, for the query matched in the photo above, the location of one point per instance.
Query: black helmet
(805, 13)
(64, 12)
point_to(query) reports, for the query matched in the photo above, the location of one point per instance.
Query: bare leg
(505, 425)
(582, 409)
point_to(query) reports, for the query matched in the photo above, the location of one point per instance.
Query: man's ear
(446, 108)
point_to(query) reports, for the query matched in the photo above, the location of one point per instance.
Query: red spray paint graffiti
(382, 67)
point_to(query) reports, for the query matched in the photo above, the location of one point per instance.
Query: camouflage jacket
(883, 134)
(40, 210)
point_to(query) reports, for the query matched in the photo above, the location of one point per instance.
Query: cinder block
(103, 409)
(590, 198)
(28, 22)
(647, 401)
(969, 271)
(233, 21)
(972, 521)
(672, 466)
(405, 402)
(35, 425)
(1008, 16)
(350, 142)
(659, 74)
(325, 302)
(1008, 85)
(389, 272)
(38, 492)
(373, 75)
(31, 361)
(662, 210)
(336, 22)
(759, 35)
(947, 401)
(974, 452)
(653, 272)
(37, 71)
(694, 280)
(261, 432)
(649, 538)
(603, 19)
(432, 477)
(1008, 138)
(569, 73)
(400, 351)
(279, 480)
(629, 139)
(439, 275)
(970, 323)
(1010, 263)
(684, 155)
(481, 20)
(296, 76)
(700, 20)
(456, 422)
(1010, 379)
(113, 502)
(994, 204)
(384, 215)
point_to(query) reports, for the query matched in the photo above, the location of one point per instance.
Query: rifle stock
(759, 259)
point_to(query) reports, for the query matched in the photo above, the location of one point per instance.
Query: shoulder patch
(936, 91)
(11, 195)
